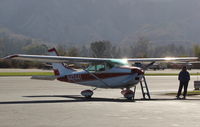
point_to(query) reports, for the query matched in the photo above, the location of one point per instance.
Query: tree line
(142, 47)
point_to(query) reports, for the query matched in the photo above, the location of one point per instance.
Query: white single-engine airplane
(101, 73)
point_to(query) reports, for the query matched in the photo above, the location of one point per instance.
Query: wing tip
(10, 56)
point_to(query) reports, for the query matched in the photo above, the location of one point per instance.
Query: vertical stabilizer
(59, 68)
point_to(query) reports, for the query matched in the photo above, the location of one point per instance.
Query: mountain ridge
(77, 21)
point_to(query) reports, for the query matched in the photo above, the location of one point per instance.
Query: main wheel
(129, 98)
(87, 93)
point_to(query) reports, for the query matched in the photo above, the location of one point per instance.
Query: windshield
(118, 62)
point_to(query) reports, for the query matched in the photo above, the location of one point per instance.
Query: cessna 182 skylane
(101, 73)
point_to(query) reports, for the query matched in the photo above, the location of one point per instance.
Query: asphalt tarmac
(38, 103)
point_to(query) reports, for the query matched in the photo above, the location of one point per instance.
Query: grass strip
(161, 74)
(166, 74)
(189, 93)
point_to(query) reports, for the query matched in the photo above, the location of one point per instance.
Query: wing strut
(97, 78)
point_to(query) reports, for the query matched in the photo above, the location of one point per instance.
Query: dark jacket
(184, 76)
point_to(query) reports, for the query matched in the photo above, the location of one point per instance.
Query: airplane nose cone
(137, 70)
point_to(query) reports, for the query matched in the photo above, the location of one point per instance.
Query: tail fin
(59, 68)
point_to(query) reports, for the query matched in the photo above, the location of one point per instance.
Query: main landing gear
(88, 93)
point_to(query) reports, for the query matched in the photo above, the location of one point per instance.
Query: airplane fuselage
(117, 77)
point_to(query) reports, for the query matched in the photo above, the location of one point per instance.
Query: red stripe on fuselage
(88, 77)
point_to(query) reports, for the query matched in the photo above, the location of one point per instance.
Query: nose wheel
(128, 94)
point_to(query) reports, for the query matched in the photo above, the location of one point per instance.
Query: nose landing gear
(129, 94)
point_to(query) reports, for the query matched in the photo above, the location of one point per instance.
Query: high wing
(54, 59)
(63, 59)
(184, 59)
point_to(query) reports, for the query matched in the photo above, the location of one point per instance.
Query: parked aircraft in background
(178, 65)
(101, 73)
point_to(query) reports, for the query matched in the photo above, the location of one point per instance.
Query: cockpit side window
(97, 67)
(100, 67)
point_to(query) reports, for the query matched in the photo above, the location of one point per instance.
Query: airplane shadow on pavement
(78, 98)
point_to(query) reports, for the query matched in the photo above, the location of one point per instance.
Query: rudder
(59, 68)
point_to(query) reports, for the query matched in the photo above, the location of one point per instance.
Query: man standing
(184, 78)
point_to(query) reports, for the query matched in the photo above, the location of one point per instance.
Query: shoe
(177, 97)
(184, 98)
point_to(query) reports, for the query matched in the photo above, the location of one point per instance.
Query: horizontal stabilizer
(39, 77)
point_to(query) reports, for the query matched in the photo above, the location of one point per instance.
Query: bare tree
(73, 51)
(140, 48)
(100, 49)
